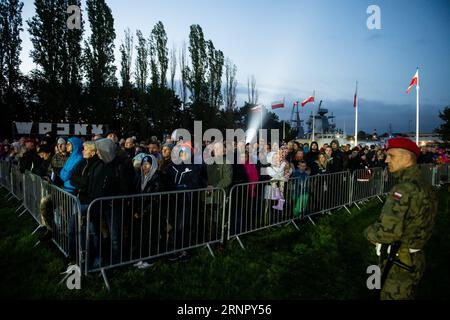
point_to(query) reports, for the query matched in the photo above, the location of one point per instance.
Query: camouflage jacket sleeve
(390, 225)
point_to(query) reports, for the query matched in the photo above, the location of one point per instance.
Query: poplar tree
(10, 76)
(99, 64)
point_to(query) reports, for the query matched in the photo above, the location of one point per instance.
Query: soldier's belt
(378, 248)
(400, 256)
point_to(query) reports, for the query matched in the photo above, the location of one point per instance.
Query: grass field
(327, 261)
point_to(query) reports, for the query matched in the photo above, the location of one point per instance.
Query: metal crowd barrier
(260, 205)
(17, 187)
(59, 207)
(327, 192)
(256, 206)
(124, 230)
(62, 210)
(429, 173)
(442, 174)
(33, 195)
(56, 209)
(366, 184)
(5, 179)
(389, 181)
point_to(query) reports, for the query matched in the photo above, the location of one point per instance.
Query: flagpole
(314, 122)
(356, 115)
(260, 120)
(314, 117)
(356, 126)
(284, 130)
(417, 108)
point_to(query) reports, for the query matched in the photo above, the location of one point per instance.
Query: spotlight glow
(254, 125)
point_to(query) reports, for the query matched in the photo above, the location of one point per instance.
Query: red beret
(403, 143)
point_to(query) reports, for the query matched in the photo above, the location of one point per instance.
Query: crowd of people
(47, 158)
(109, 166)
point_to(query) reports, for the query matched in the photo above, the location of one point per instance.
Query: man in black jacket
(30, 158)
(41, 167)
(340, 159)
(186, 175)
(130, 147)
(113, 176)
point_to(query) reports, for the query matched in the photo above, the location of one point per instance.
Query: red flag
(414, 81)
(310, 99)
(355, 99)
(278, 104)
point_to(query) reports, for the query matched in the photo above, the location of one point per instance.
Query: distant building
(425, 139)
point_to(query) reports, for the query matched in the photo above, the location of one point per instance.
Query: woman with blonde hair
(321, 165)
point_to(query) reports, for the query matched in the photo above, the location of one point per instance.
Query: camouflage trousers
(400, 283)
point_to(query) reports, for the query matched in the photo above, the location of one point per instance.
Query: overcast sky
(293, 47)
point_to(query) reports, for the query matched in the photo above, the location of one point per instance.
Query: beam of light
(255, 124)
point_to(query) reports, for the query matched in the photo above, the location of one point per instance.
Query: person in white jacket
(279, 171)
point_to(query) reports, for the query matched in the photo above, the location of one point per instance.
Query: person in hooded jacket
(137, 163)
(340, 159)
(184, 176)
(147, 219)
(113, 176)
(312, 155)
(75, 148)
(148, 180)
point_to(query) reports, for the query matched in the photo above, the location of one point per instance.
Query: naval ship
(321, 127)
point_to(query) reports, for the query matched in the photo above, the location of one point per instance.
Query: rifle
(391, 260)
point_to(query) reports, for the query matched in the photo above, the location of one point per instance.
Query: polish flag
(414, 81)
(310, 99)
(278, 104)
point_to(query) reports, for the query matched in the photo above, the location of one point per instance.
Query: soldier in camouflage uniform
(407, 216)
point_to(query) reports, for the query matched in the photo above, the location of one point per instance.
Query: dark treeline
(75, 76)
